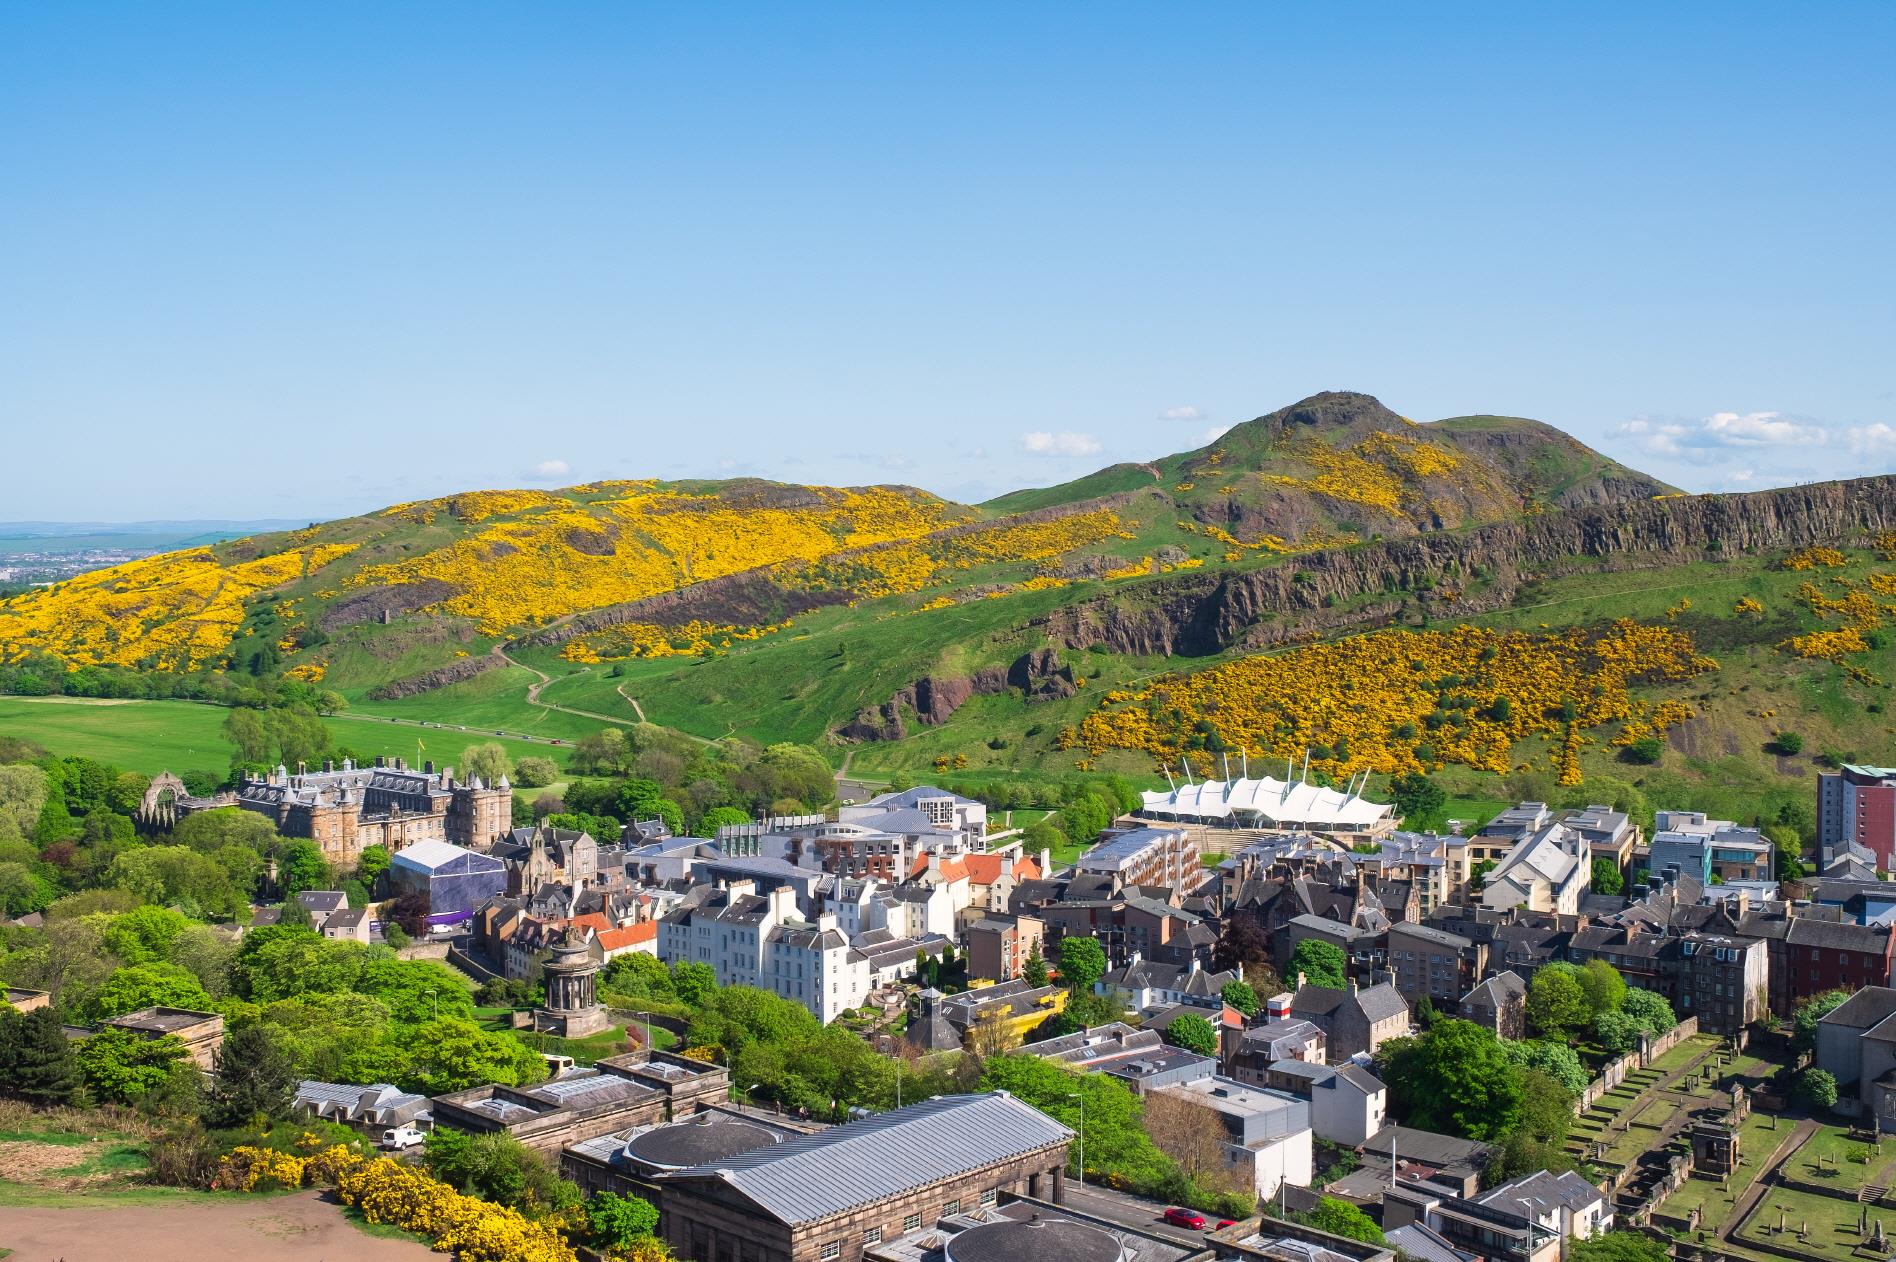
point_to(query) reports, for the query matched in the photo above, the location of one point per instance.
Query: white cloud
(549, 471)
(1704, 438)
(1213, 434)
(1871, 439)
(1041, 443)
(1185, 412)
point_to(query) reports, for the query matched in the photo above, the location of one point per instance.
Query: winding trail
(533, 692)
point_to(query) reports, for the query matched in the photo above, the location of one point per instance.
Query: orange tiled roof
(985, 869)
(631, 935)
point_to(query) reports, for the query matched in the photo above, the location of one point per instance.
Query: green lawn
(1832, 1224)
(154, 736)
(1758, 1140)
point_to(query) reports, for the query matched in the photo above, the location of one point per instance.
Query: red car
(1225, 1222)
(1189, 1219)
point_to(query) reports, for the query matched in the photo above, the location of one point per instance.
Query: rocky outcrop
(453, 673)
(1373, 584)
(382, 604)
(741, 600)
(1039, 675)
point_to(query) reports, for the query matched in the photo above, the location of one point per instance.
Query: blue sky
(287, 261)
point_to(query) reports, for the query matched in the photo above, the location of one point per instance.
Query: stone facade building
(619, 1092)
(202, 1033)
(828, 1196)
(343, 810)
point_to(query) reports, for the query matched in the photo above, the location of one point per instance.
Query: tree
(1556, 1003)
(694, 981)
(210, 831)
(489, 761)
(1651, 1011)
(1603, 986)
(1616, 1032)
(371, 863)
(1418, 799)
(23, 890)
(1193, 1033)
(410, 911)
(1082, 1012)
(1557, 1060)
(1817, 1088)
(497, 1167)
(1188, 1133)
(1789, 744)
(1239, 995)
(197, 884)
(147, 985)
(1618, 1246)
(1607, 878)
(722, 817)
(120, 1067)
(1645, 751)
(1314, 962)
(300, 867)
(1082, 962)
(1034, 970)
(533, 772)
(617, 1221)
(1809, 1013)
(1340, 1218)
(1241, 942)
(36, 1058)
(145, 935)
(1456, 1079)
(255, 1080)
(453, 1054)
(250, 740)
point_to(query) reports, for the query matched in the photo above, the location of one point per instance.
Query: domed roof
(704, 1141)
(1042, 1239)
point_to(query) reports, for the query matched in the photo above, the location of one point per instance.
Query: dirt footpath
(299, 1228)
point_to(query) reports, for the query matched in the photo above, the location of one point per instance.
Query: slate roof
(816, 1176)
(1543, 1191)
(1864, 1010)
(1498, 990)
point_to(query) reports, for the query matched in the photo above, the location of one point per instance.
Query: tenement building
(829, 1196)
(345, 809)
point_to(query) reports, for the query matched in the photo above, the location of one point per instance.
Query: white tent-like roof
(1267, 802)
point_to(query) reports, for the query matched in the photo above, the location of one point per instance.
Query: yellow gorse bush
(1400, 701)
(177, 611)
(1811, 558)
(562, 556)
(404, 1196)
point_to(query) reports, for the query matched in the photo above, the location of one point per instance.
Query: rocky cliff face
(1304, 595)
(1039, 675)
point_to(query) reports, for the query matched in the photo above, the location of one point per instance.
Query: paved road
(1130, 1211)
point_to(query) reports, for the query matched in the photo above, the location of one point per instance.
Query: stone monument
(572, 1010)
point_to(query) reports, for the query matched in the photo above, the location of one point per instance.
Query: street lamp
(1074, 1095)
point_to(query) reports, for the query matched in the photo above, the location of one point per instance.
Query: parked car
(402, 1137)
(1225, 1222)
(1190, 1219)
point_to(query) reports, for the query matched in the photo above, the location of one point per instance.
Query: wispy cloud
(549, 471)
(1722, 431)
(1184, 412)
(1213, 434)
(1067, 444)
(1738, 451)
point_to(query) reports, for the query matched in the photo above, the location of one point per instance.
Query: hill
(1272, 591)
(411, 599)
